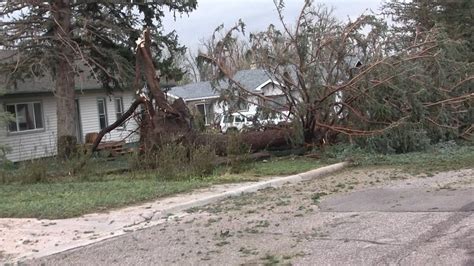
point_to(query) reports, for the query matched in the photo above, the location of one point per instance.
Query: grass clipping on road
(73, 198)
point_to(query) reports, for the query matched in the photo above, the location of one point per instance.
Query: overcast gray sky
(256, 14)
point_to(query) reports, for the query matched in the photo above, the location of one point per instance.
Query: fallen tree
(356, 81)
(161, 122)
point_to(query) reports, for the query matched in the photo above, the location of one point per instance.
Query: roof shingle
(249, 79)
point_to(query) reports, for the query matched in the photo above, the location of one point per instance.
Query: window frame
(242, 103)
(205, 112)
(121, 126)
(105, 112)
(27, 131)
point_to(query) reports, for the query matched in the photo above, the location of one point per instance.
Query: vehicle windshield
(228, 119)
(239, 119)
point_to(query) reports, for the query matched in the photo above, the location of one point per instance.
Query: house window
(102, 108)
(27, 116)
(119, 109)
(202, 110)
(206, 112)
(279, 102)
(242, 106)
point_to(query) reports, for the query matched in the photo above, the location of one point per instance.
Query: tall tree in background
(456, 18)
(60, 38)
(237, 51)
(452, 23)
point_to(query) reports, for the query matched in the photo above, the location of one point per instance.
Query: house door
(78, 123)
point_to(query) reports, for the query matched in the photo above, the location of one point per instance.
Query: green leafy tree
(61, 38)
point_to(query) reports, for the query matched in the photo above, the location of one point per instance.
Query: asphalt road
(369, 217)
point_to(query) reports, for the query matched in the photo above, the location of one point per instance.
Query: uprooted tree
(346, 80)
(162, 123)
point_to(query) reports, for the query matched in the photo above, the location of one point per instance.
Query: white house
(32, 133)
(206, 99)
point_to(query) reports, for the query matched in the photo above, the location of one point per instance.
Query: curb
(160, 215)
(274, 183)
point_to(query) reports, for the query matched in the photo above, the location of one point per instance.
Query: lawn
(92, 192)
(69, 198)
(434, 160)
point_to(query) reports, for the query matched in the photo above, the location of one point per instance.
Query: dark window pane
(11, 109)
(202, 112)
(30, 116)
(102, 113)
(200, 108)
(102, 122)
(242, 105)
(239, 119)
(38, 115)
(118, 108)
(12, 125)
(118, 105)
(101, 107)
(25, 116)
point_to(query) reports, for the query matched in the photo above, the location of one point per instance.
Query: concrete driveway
(355, 217)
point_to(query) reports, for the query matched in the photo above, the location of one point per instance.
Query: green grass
(437, 158)
(276, 167)
(70, 198)
(62, 200)
(285, 166)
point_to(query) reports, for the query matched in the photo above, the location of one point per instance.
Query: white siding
(271, 90)
(32, 144)
(42, 143)
(90, 118)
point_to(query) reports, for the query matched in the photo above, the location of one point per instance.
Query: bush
(79, 166)
(403, 139)
(34, 171)
(237, 153)
(202, 160)
(176, 161)
(172, 161)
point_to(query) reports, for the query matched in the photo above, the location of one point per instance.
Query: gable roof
(43, 83)
(192, 91)
(250, 79)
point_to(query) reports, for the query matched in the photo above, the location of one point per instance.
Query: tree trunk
(64, 76)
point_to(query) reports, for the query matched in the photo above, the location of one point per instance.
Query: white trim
(260, 87)
(202, 98)
(172, 96)
(194, 99)
(18, 131)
